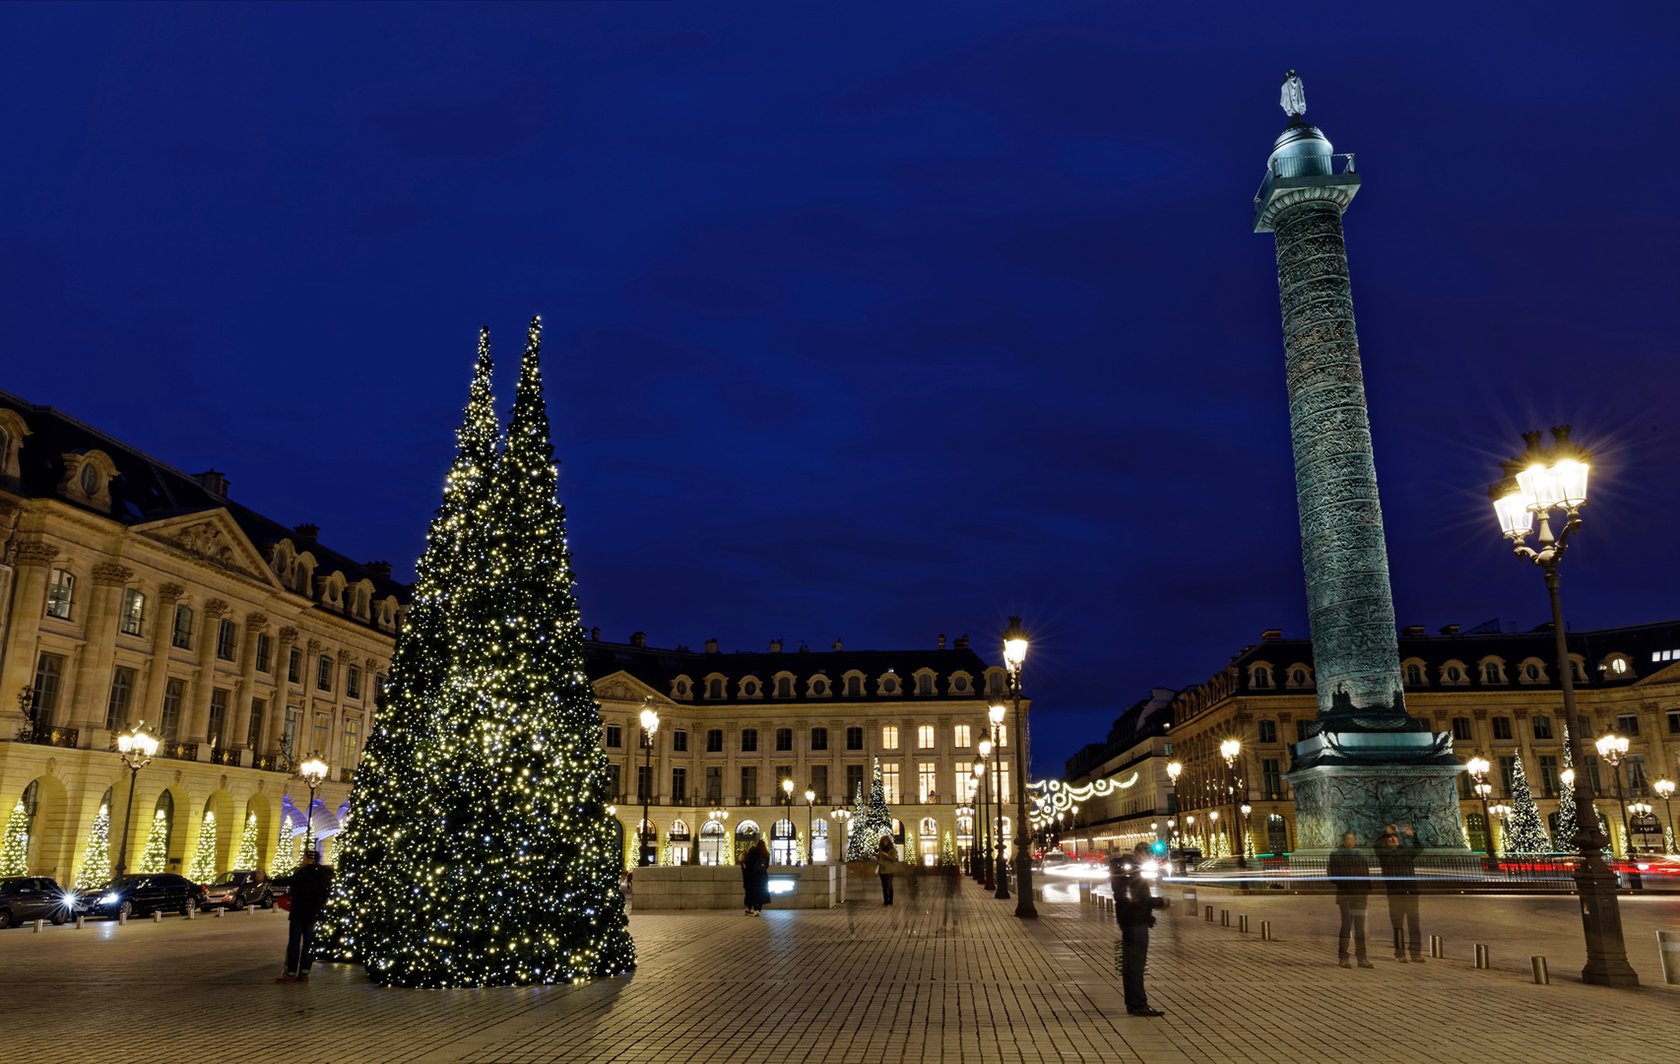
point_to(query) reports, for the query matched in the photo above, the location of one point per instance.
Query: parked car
(239, 889)
(26, 898)
(139, 895)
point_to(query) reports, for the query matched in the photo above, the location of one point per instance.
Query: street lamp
(1502, 813)
(966, 812)
(313, 772)
(841, 815)
(998, 877)
(1014, 657)
(1542, 480)
(1478, 767)
(136, 749)
(810, 840)
(1175, 769)
(1073, 826)
(1639, 810)
(717, 816)
(787, 800)
(650, 725)
(1230, 750)
(983, 859)
(1665, 791)
(1613, 749)
(1245, 809)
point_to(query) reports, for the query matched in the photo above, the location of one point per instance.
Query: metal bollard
(1437, 947)
(219, 913)
(157, 916)
(122, 919)
(81, 921)
(1265, 930)
(1482, 959)
(1242, 922)
(1541, 976)
(1224, 918)
(1208, 912)
(192, 912)
(1668, 953)
(1399, 942)
(38, 925)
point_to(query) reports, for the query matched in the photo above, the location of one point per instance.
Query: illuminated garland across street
(1050, 797)
(478, 849)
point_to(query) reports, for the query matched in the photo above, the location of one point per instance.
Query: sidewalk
(864, 984)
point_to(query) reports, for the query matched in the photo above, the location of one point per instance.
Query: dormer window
(960, 683)
(749, 688)
(889, 684)
(819, 686)
(89, 480)
(784, 686)
(12, 431)
(1492, 671)
(1414, 674)
(1260, 677)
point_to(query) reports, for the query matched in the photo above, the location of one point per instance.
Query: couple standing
(1397, 853)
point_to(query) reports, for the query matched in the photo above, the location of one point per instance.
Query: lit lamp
(787, 800)
(810, 841)
(841, 815)
(1245, 809)
(136, 749)
(965, 857)
(1665, 791)
(718, 815)
(1613, 749)
(314, 773)
(1542, 482)
(1014, 659)
(1478, 768)
(1639, 811)
(650, 725)
(997, 877)
(1230, 750)
(983, 855)
(1175, 769)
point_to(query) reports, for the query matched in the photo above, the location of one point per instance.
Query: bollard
(219, 913)
(1399, 942)
(157, 916)
(1208, 913)
(1189, 896)
(1224, 918)
(1541, 976)
(81, 921)
(1482, 959)
(192, 912)
(1668, 954)
(122, 919)
(1265, 930)
(1437, 948)
(38, 925)
(1242, 922)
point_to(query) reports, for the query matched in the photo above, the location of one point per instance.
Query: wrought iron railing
(223, 755)
(178, 751)
(1289, 166)
(268, 763)
(68, 738)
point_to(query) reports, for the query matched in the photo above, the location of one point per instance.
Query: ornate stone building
(733, 726)
(134, 592)
(1496, 692)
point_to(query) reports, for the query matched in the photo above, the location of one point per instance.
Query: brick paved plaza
(865, 983)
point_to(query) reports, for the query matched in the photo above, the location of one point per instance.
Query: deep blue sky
(867, 322)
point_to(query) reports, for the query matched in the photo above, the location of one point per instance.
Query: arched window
(783, 843)
(1414, 675)
(712, 842)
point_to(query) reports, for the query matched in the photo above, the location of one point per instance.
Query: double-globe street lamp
(650, 724)
(966, 812)
(718, 815)
(1175, 769)
(787, 801)
(313, 772)
(1639, 811)
(810, 840)
(1231, 750)
(1478, 767)
(841, 815)
(1014, 659)
(1665, 791)
(136, 749)
(1543, 480)
(998, 879)
(1613, 749)
(983, 857)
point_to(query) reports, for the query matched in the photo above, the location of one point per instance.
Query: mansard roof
(659, 668)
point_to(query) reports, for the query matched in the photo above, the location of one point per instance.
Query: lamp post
(810, 840)
(717, 816)
(313, 772)
(787, 800)
(1073, 826)
(1478, 768)
(1665, 791)
(1502, 813)
(983, 859)
(1230, 750)
(1613, 749)
(1245, 809)
(966, 812)
(998, 877)
(1175, 769)
(1639, 811)
(136, 749)
(650, 725)
(1015, 657)
(1542, 480)
(841, 815)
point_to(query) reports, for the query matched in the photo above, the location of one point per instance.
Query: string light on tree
(95, 867)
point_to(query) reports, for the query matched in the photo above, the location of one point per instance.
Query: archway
(783, 843)
(94, 868)
(819, 841)
(928, 841)
(747, 832)
(677, 840)
(1475, 829)
(647, 843)
(712, 842)
(160, 836)
(1277, 834)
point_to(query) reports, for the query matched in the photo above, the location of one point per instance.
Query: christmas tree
(871, 820)
(203, 867)
(1524, 832)
(95, 868)
(285, 858)
(156, 853)
(247, 857)
(14, 850)
(947, 852)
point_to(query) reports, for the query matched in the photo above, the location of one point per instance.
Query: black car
(139, 895)
(26, 898)
(238, 889)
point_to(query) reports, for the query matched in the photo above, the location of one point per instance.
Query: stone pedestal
(1365, 798)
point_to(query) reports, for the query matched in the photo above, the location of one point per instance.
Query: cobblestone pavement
(864, 983)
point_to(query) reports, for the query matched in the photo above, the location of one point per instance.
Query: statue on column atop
(1294, 96)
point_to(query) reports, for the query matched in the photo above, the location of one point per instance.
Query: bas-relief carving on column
(1332, 800)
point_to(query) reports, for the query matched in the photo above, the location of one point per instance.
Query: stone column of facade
(157, 664)
(255, 625)
(93, 677)
(33, 562)
(341, 697)
(198, 720)
(275, 730)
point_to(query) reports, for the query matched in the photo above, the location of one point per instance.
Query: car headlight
(70, 898)
(109, 899)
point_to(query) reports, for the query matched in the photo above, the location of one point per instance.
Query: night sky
(867, 322)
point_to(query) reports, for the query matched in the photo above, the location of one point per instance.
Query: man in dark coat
(1397, 854)
(311, 884)
(1134, 908)
(1348, 869)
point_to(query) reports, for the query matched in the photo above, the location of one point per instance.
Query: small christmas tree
(1524, 832)
(248, 844)
(203, 867)
(156, 854)
(14, 850)
(285, 857)
(871, 820)
(947, 852)
(95, 868)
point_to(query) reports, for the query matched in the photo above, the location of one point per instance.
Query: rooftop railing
(1289, 166)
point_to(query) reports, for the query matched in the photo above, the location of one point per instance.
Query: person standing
(1397, 855)
(1134, 907)
(886, 863)
(755, 877)
(1348, 869)
(311, 884)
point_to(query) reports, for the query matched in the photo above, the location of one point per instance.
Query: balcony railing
(224, 756)
(178, 751)
(68, 738)
(1291, 166)
(269, 763)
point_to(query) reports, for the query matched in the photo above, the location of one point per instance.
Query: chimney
(595, 634)
(711, 646)
(839, 645)
(378, 568)
(638, 639)
(962, 641)
(1451, 629)
(775, 646)
(307, 533)
(941, 640)
(1412, 631)
(1272, 635)
(213, 482)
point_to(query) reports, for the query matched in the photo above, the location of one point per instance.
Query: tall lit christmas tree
(285, 858)
(14, 849)
(95, 867)
(248, 857)
(871, 819)
(389, 810)
(156, 853)
(203, 867)
(1525, 833)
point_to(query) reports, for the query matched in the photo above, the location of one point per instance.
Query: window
(714, 785)
(49, 670)
(614, 793)
(253, 734)
(59, 594)
(182, 636)
(218, 717)
(644, 783)
(89, 480)
(1298, 677)
(353, 682)
(1001, 732)
(318, 739)
(352, 745)
(1618, 666)
(1268, 731)
(749, 785)
(1302, 730)
(1628, 724)
(679, 786)
(263, 648)
(889, 685)
(615, 736)
(959, 684)
(1636, 780)
(294, 666)
(854, 738)
(854, 781)
(1000, 779)
(1548, 775)
(1502, 728)
(1455, 673)
(854, 686)
(819, 782)
(967, 786)
(784, 739)
(323, 673)
(714, 687)
(924, 684)
(1531, 672)
(1271, 777)
(783, 772)
(1414, 675)
(679, 741)
(289, 730)
(1674, 722)
(749, 688)
(749, 740)
(1260, 677)
(784, 687)
(889, 783)
(924, 737)
(961, 736)
(1507, 773)
(927, 781)
(819, 687)
(889, 737)
(819, 738)
(122, 697)
(1542, 725)
(133, 611)
(174, 690)
(1461, 728)
(1490, 672)
(225, 631)
(714, 741)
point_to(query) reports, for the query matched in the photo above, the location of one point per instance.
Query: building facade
(134, 593)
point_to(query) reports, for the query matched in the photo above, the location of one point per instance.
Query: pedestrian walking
(1134, 907)
(311, 884)
(1348, 869)
(886, 863)
(1397, 854)
(755, 878)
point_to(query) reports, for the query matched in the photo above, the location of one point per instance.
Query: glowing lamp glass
(313, 771)
(1229, 749)
(1478, 766)
(986, 748)
(1516, 520)
(1664, 789)
(1540, 484)
(650, 721)
(1570, 477)
(995, 713)
(1174, 770)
